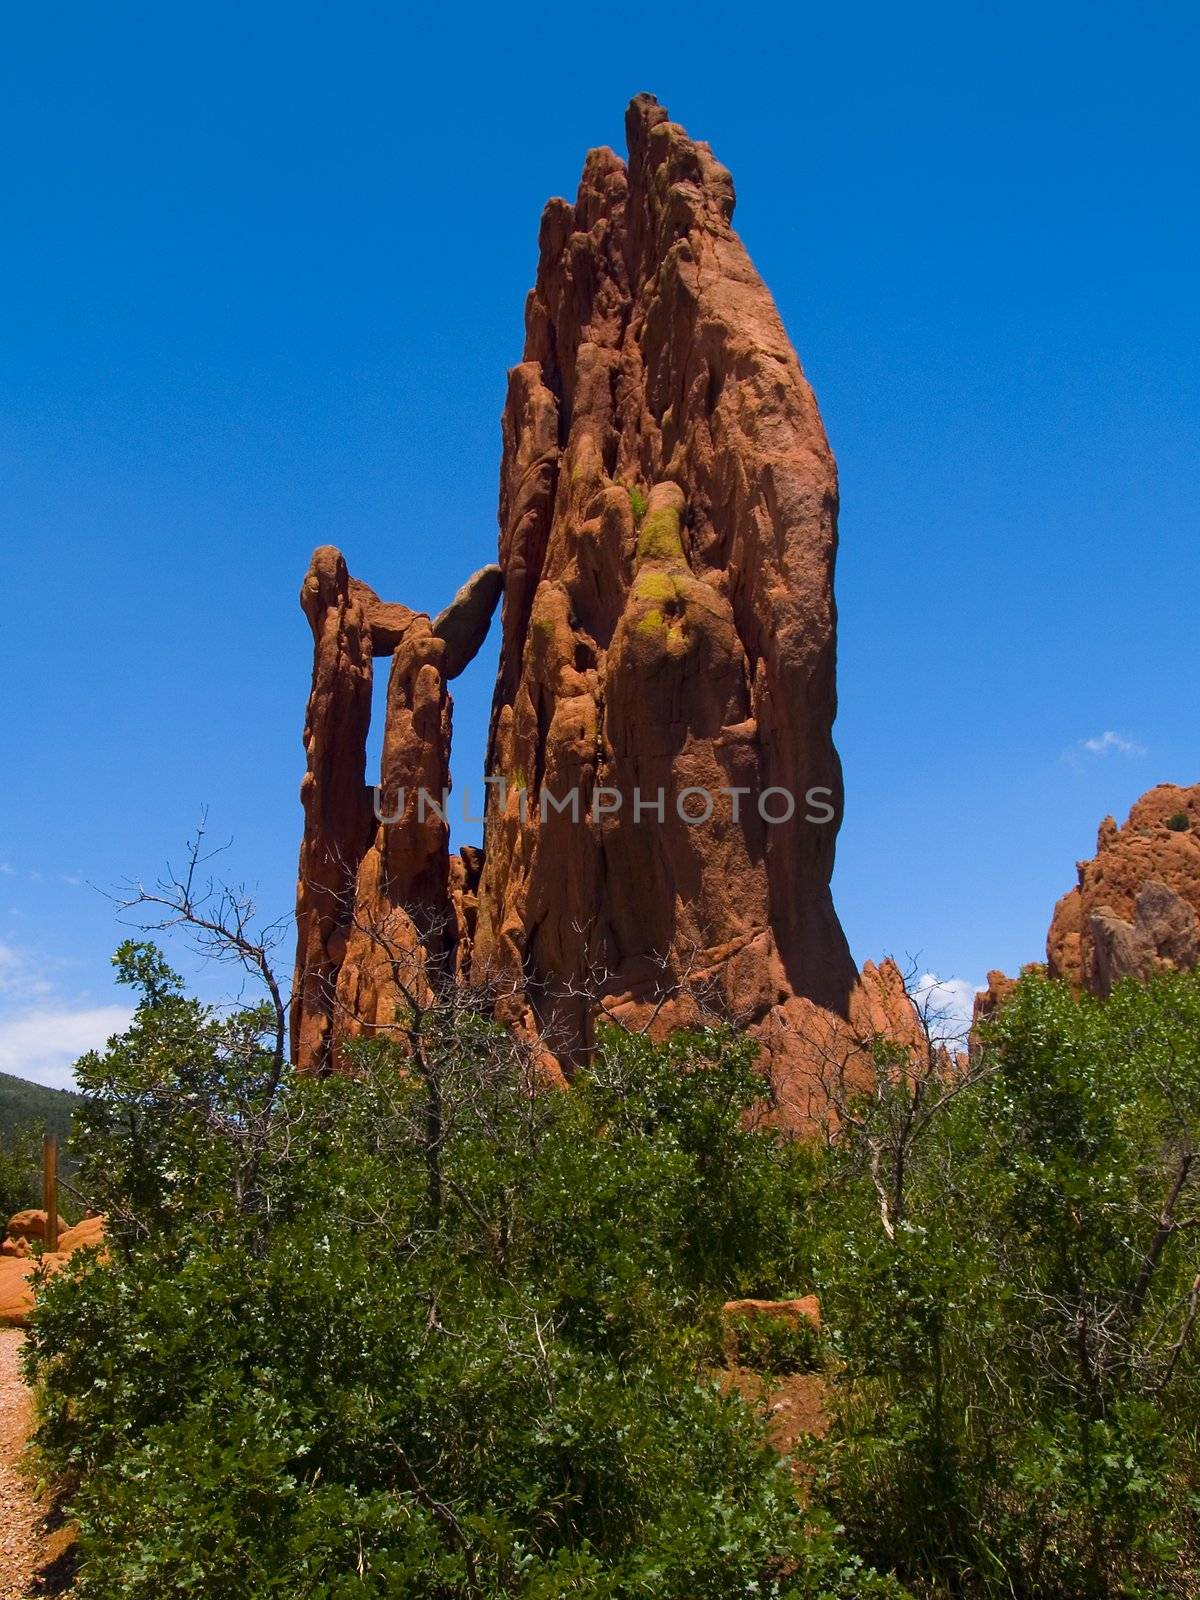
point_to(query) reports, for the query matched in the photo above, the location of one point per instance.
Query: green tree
(342, 1347)
(1019, 1367)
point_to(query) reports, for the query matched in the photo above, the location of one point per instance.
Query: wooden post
(50, 1189)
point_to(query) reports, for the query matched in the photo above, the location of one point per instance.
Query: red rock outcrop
(26, 1226)
(373, 899)
(664, 793)
(333, 792)
(19, 1269)
(807, 1308)
(668, 511)
(1135, 907)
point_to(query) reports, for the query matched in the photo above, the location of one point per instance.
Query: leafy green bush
(778, 1345)
(431, 1329)
(639, 503)
(1179, 822)
(426, 1330)
(1019, 1379)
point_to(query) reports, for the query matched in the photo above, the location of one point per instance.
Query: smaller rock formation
(1135, 907)
(807, 1308)
(376, 895)
(464, 624)
(18, 1265)
(26, 1226)
(988, 1001)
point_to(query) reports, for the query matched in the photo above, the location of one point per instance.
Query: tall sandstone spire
(668, 528)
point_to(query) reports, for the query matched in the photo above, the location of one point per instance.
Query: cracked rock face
(668, 508)
(1135, 907)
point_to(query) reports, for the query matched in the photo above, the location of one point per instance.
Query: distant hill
(22, 1103)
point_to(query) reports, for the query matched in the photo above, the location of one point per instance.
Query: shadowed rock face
(464, 624)
(668, 507)
(1136, 904)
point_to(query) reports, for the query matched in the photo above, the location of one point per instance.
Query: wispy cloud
(43, 1044)
(948, 1004)
(20, 976)
(1108, 743)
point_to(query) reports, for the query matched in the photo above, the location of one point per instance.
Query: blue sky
(263, 272)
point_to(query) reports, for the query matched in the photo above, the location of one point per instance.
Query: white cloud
(19, 977)
(948, 1003)
(1111, 744)
(44, 1043)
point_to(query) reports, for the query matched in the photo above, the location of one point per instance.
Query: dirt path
(20, 1514)
(27, 1552)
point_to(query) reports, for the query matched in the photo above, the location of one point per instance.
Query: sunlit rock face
(1135, 907)
(381, 905)
(663, 789)
(668, 527)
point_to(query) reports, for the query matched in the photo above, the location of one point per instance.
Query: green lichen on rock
(651, 623)
(661, 594)
(655, 588)
(661, 537)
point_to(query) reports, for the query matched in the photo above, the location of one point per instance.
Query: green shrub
(778, 1345)
(639, 503)
(1018, 1374)
(426, 1330)
(431, 1330)
(1179, 822)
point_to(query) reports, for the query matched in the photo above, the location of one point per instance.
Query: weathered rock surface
(18, 1267)
(989, 1001)
(29, 1225)
(337, 803)
(1136, 907)
(668, 511)
(373, 899)
(668, 507)
(807, 1308)
(1136, 904)
(464, 624)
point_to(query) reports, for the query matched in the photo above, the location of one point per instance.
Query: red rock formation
(26, 1226)
(989, 1001)
(663, 840)
(668, 515)
(1136, 907)
(373, 899)
(337, 803)
(20, 1275)
(1136, 904)
(792, 1312)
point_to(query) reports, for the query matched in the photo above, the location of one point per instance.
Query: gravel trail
(33, 1561)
